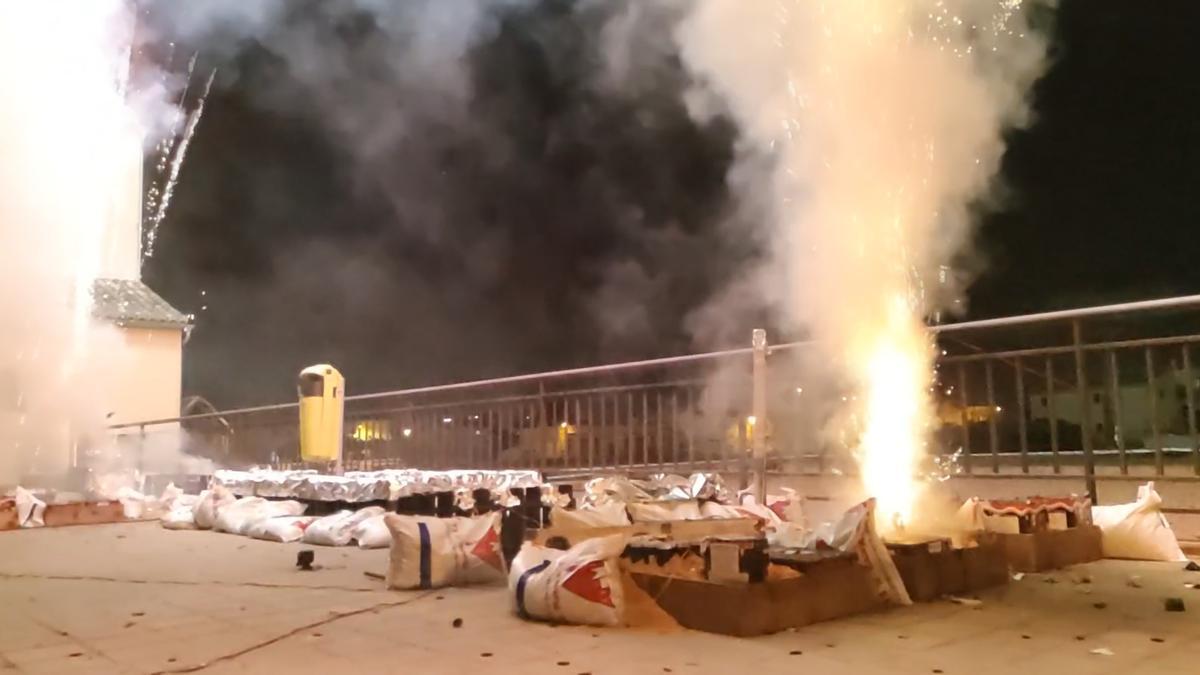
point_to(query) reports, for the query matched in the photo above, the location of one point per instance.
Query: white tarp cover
(578, 586)
(434, 552)
(854, 533)
(30, 510)
(1137, 530)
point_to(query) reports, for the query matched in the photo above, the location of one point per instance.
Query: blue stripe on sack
(521, 586)
(423, 531)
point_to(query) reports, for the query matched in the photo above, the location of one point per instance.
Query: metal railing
(1104, 391)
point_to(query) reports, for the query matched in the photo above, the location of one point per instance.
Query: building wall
(150, 384)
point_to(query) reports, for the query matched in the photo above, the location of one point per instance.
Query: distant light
(752, 420)
(799, 390)
(447, 420)
(999, 409)
(563, 425)
(407, 433)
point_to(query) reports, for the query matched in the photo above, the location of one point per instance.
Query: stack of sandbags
(241, 515)
(434, 552)
(338, 529)
(281, 529)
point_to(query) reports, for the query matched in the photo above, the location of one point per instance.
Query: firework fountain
(73, 129)
(869, 127)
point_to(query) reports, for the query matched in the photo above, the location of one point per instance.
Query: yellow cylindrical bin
(322, 392)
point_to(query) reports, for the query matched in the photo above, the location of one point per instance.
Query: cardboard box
(1052, 549)
(931, 570)
(83, 513)
(829, 589)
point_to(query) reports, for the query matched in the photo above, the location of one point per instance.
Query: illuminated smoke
(70, 142)
(868, 129)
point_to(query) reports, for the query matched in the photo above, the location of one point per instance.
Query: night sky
(374, 217)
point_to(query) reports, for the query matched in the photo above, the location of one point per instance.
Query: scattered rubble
(1174, 605)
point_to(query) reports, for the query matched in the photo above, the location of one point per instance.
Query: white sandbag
(282, 529)
(1137, 530)
(179, 518)
(210, 504)
(372, 533)
(658, 512)
(133, 503)
(337, 529)
(237, 518)
(578, 586)
(612, 514)
(435, 552)
(30, 510)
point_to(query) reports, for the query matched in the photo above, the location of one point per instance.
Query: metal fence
(1106, 391)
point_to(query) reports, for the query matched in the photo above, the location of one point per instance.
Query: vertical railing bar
(578, 427)
(1085, 408)
(993, 438)
(1052, 411)
(675, 426)
(1152, 390)
(629, 429)
(1190, 395)
(1114, 376)
(689, 417)
(591, 417)
(645, 428)
(1022, 430)
(966, 420)
(658, 423)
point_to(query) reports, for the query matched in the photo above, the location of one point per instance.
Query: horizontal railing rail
(1007, 403)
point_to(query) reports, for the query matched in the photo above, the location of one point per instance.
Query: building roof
(127, 302)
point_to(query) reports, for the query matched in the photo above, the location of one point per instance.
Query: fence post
(758, 444)
(1085, 424)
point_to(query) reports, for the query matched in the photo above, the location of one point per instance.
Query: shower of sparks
(886, 191)
(174, 147)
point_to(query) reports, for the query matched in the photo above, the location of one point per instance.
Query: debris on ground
(1191, 586)
(1174, 605)
(967, 602)
(1192, 566)
(1100, 605)
(1102, 651)
(1018, 576)
(305, 558)
(1081, 579)
(374, 575)
(1134, 581)
(457, 623)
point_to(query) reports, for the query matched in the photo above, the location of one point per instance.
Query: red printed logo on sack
(487, 549)
(584, 581)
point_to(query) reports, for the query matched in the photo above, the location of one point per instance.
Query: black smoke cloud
(435, 190)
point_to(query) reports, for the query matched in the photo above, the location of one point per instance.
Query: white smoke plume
(67, 135)
(868, 129)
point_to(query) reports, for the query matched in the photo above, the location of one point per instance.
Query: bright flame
(896, 378)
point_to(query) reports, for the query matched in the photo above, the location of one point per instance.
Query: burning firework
(878, 122)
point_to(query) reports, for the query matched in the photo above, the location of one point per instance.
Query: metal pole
(758, 445)
(1085, 425)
